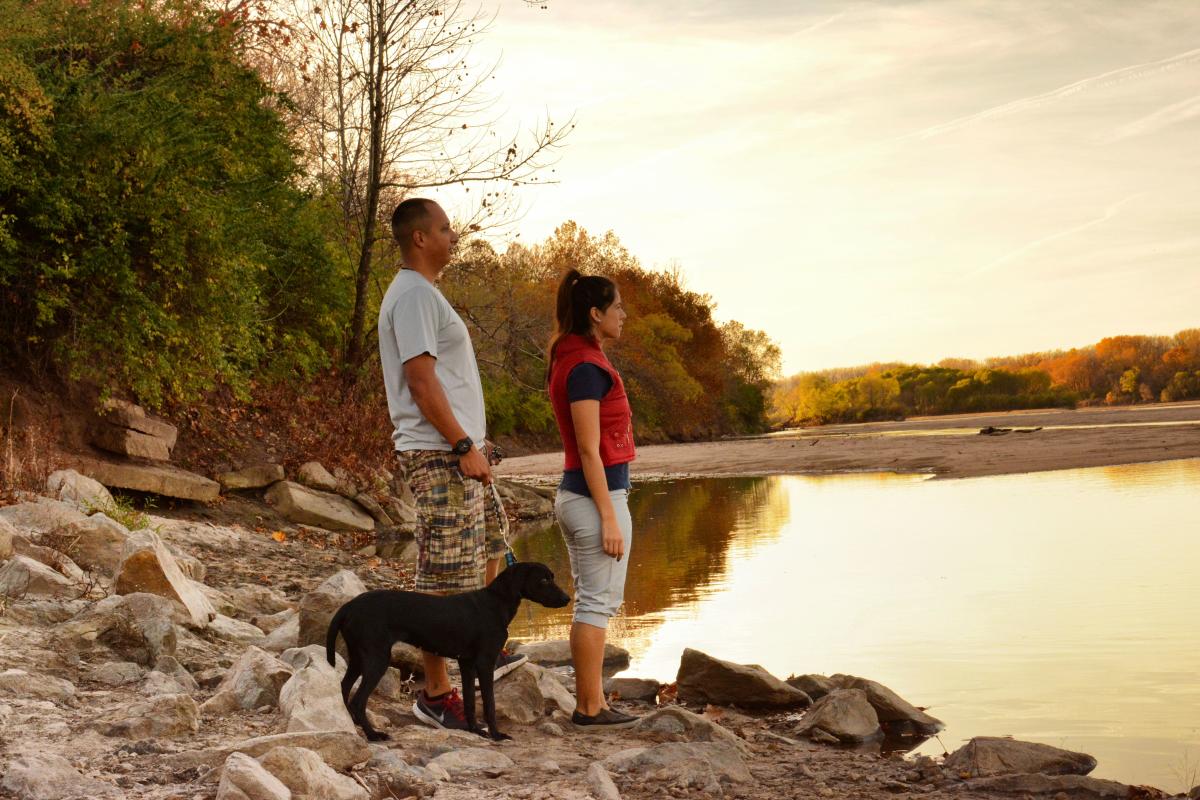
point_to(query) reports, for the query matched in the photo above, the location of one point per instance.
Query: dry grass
(28, 447)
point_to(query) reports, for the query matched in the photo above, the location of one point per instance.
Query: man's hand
(475, 465)
(493, 452)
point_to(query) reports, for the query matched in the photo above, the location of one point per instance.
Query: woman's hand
(612, 539)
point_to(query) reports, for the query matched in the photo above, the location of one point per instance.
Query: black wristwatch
(463, 446)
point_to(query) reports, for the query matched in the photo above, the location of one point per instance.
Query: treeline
(183, 222)
(1116, 370)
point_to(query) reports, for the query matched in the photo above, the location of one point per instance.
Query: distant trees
(1117, 369)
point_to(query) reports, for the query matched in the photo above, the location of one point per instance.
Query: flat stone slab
(311, 507)
(124, 414)
(160, 479)
(255, 477)
(128, 442)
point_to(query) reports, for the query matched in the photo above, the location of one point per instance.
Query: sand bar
(948, 446)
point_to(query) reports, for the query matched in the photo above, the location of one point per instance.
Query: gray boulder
(314, 475)
(253, 477)
(169, 666)
(254, 681)
(985, 756)
(704, 679)
(286, 636)
(243, 778)
(137, 627)
(1077, 787)
(372, 507)
(815, 686)
(116, 673)
(473, 761)
(844, 714)
(600, 783)
(895, 713)
(97, 543)
(255, 601)
(306, 774)
(45, 776)
(269, 622)
(164, 715)
(234, 630)
(19, 683)
(640, 689)
(318, 606)
(321, 509)
(42, 514)
(83, 492)
(524, 502)
(708, 767)
(693, 727)
(339, 749)
(22, 576)
(557, 653)
(311, 700)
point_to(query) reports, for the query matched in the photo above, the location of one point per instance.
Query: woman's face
(607, 324)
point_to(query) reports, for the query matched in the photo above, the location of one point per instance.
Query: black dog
(471, 628)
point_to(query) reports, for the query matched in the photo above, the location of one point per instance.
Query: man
(435, 399)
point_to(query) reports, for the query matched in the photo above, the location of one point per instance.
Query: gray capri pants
(599, 578)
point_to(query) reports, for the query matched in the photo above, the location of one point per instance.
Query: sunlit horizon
(875, 182)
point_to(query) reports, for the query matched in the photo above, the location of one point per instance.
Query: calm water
(1055, 607)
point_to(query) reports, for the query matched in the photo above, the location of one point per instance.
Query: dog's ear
(508, 583)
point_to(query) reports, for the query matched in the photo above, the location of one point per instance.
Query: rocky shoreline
(182, 657)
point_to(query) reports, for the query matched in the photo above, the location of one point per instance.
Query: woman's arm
(585, 414)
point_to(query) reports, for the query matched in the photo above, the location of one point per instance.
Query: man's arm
(430, 397)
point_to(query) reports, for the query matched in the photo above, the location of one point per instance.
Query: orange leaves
(279, 536)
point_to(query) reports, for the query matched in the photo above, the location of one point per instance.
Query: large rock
(815, 686)
(243, 778)
(552, 689)
(1076, 787)
(22, 576)
(473, 761)
(46, 776)
(372, 507)
(19, 683)
(894, 712)
(693, 727)
(306, 774)
(643, 689)
(128, 442)
(523, 502)
(97, 543)
(557, 653)
(600, 783)
(123, 414)
(286, 636)
(318, 606)
(148, 566)
(252, 682)
(254, 477)
(164, 715)
(985, 756)
(116, 673)
(402, 779)
(311, 700)
(86, 494)
(42, 514)
(137, 627)
(255, 601)
(58, 561)
(706, 766)
(324, 510)
(234, 630)
(340, 749)
(160, 479)
(519, 698)
(313, 474)
(704, 679)
(270, 622)
(845, 714)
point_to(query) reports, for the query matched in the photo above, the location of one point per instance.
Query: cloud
(1152, 123)
(1110, 78)
(1024, 249)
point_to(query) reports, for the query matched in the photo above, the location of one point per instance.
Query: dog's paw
(377, 736)
(501, 737)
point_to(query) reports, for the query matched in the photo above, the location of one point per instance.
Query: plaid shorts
(458, 524)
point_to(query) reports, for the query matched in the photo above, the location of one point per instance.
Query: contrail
(1151, 123)
(1108, 214)
(1105, 79)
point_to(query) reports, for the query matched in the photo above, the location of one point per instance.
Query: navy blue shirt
(590, 382)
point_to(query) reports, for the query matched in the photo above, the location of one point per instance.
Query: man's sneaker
(444, 711)
(506, 662)
(606, 720)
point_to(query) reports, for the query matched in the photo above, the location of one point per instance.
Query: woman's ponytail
(577, 295)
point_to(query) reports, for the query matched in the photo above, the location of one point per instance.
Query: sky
(879, 181)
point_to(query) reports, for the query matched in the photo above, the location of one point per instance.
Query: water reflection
(1056, 607)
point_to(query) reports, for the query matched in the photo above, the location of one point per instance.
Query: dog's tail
(335, 627)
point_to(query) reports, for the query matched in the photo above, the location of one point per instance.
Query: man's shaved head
(410, 216)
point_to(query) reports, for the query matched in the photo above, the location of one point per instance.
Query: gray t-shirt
(415, 318)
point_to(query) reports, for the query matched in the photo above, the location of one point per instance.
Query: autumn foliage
(1117, 369)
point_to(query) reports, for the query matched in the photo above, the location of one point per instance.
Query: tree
(398, 110)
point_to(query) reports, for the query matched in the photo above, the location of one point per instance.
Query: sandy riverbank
(948, 446)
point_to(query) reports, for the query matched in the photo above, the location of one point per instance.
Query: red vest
(616, 419)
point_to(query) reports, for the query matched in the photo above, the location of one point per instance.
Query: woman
(595, 422)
